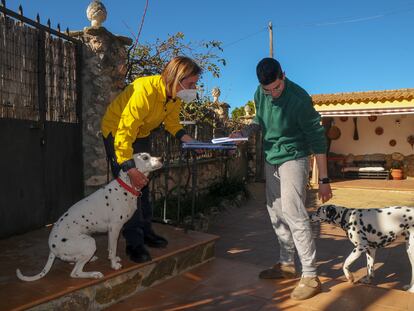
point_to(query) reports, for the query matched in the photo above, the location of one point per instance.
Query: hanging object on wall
(410, 140)
(356, 136)
(392, 142)
(372, 118)
(333, 132)
(343, 119)
(379, 130)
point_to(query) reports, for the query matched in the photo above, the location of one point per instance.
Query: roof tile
(363, 97)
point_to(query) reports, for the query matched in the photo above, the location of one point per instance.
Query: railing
(40, 72)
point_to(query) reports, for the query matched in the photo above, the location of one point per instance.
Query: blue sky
(323, 45)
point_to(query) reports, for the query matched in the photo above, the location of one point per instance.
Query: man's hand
(324, 192)
(138, 179)
(236, 134)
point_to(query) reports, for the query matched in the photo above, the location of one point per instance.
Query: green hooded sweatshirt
(290, 124)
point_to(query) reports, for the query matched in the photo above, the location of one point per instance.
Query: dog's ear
(330, 212)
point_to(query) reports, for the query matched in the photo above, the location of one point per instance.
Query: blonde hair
(177, 69)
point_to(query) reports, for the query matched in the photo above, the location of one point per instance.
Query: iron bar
(33, 23)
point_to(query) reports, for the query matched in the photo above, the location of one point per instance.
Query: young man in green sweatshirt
(291, 133)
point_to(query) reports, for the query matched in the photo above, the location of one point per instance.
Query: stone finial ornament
(216, 94)
(248, 111)
(96, 13)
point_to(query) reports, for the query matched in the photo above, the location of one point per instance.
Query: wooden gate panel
(63, 167)
(22, 198)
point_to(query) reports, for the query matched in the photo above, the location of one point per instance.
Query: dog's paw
(365, 280)
(116, 265)
(350, 277)
(97, 275)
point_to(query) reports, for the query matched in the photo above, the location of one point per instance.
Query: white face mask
(187, 95)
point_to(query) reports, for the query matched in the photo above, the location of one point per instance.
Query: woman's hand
(188, 139)
(138, 179)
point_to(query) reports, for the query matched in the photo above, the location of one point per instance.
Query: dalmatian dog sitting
(369, 229)
(105, 210)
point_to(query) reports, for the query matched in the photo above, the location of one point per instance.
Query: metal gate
(40, 123)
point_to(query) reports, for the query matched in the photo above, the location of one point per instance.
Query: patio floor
(248, 245)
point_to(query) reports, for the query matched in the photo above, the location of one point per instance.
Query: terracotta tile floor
(248, 245)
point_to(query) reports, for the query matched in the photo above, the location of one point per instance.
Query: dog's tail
(45, 270)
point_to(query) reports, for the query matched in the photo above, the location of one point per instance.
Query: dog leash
(128, 188)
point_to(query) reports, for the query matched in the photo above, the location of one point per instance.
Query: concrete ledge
(57, 290)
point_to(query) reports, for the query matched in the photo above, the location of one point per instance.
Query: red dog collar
(128, 188)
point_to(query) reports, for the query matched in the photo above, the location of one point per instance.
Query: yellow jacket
(138, 110)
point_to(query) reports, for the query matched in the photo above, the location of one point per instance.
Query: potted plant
(396, 170)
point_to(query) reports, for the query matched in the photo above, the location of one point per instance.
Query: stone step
(57, 290)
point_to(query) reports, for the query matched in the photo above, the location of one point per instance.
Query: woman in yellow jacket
(129, 119)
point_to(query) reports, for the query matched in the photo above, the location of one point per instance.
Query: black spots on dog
(66, 215)
(350, 235)
(397, 207)
(87, 227)
(402, 226)
(83, 216)
(355, 223)
(53, 246)
(389, 213)
(110, 189)
(354, 250)
(408, 210)
(106, 197)
(90, 213)
(373, 231)
(120, 217)
(55, 235)
(379, 210)
(87, 220)
(369, 228)
(116, 189)
(379, 233)
(353, 229)
(125, 193)
(64, 240)
(107, 204)
(404, 216)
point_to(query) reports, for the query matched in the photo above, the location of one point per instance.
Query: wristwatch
(325, 180)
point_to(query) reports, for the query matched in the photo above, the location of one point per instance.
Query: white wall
(369, 142)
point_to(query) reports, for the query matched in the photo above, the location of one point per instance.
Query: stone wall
(103, 78)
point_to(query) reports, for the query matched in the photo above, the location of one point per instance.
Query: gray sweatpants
(286, 195)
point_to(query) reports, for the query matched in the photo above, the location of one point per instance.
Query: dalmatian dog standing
(105, 210)
(369, 229)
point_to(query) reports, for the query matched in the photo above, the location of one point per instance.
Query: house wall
(369, 142)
